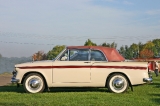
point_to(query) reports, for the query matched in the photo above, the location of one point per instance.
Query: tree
(54, 52)
(128, 52)
(147, 50)
(122, 51)
(0, 55)
(89, 43)
(156, 48)
(105, 44)
(140, 48)
(112, 45)
(135, 49)
(40, 55)
(146, 54)
(149, 45)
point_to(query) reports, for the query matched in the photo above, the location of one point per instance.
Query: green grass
(143, 95)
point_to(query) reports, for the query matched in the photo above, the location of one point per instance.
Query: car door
(72, 67)
(98, 69)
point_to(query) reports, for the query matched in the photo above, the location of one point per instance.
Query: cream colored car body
(62, 72)
(82, 77)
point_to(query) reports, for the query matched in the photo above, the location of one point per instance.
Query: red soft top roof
(111, 53)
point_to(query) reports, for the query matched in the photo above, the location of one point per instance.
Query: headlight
(14, 73)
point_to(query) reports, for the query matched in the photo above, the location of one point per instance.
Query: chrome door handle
(87, 62)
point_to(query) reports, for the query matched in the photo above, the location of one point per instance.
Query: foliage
(140, 46)
(146, 54)
(128, 53)
(112, 45)
(142, 95)
(122, 51)
(156, 48)
(40, 55)
(148, 50)
(149, 45)
(0, 55)
(135, 50)
(134, 47)
(89, 43)
(105, 44)
(55, 51)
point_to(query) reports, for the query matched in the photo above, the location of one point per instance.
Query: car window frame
(99, 51)
(68, 54)
(80, 49)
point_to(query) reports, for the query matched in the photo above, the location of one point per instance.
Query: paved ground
(5, 80)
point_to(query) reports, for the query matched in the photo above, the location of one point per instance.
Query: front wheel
(117, 83)
(34, 83)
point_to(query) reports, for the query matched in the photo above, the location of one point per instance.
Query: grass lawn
(143, 95)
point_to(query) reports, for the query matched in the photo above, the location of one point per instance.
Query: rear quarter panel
(133, 70)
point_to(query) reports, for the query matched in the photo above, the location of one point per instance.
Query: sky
(29, 26)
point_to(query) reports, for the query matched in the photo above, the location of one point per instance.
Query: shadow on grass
(11, 88)
(156, 85)
(78, 89)
(157, 99)
(20, 89)
(12, 104)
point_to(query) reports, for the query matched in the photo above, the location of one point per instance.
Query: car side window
(97, 55)
(78, 55)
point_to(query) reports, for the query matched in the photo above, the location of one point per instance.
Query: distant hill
(7, 64)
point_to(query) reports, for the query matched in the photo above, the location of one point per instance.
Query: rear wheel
(117, 83)
(34, 83)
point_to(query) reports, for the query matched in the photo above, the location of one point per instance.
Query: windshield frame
(60, 54)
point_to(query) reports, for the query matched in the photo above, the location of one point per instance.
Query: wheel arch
(46, 85)
(118, 73)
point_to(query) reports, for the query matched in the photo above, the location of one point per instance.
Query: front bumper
(14, 80)
(147, 80)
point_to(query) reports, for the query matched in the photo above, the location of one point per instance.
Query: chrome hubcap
(34, 83)
(118, 83)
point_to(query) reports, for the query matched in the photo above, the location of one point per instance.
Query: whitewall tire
(117, 83)
(34, 83)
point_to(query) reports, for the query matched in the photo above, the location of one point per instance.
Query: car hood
(35, 63)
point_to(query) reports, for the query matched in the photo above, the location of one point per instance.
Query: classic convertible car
(82, 66)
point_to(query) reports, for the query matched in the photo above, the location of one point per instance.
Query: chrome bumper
(14, 80)
(147, 79)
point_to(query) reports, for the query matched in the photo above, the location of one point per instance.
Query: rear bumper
(147, 79)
